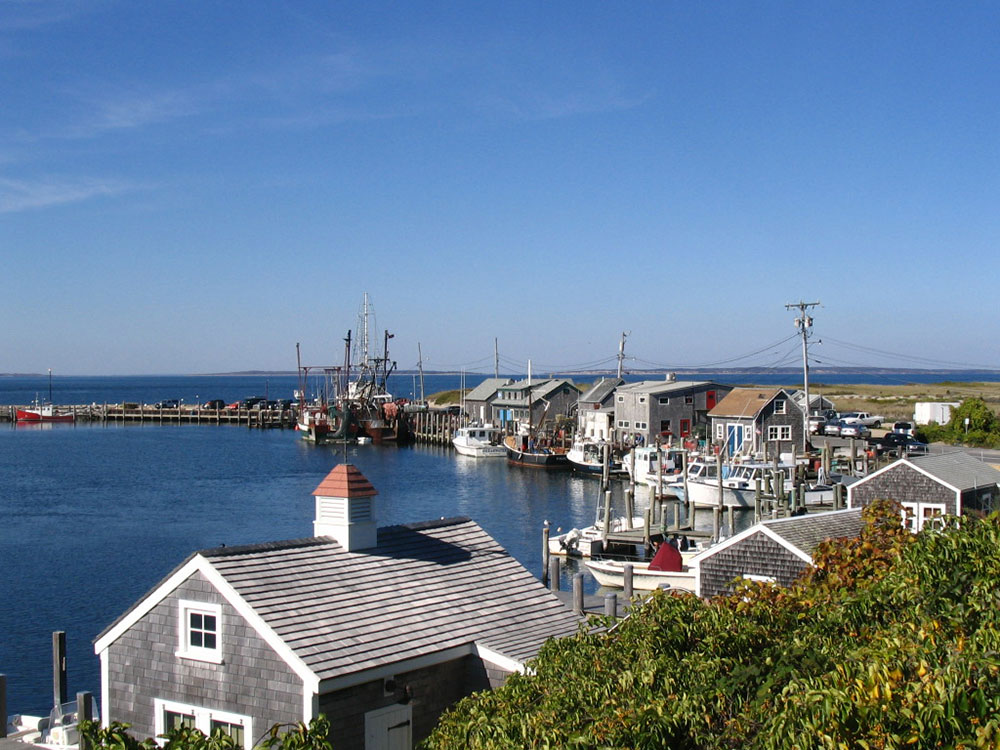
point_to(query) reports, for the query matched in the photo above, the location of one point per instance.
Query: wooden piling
(611, 604)
(60, 694)
(607, 519)
(545, 553)
(3, 705)
(554, 574)
(628, 582)
(578, 593)
(84, 712)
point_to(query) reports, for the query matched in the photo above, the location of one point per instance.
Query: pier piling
(3, 705)
(611, 604)
(60, 694)
(578, 593)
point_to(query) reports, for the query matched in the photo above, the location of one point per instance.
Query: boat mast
(420, 367)
(50, 385)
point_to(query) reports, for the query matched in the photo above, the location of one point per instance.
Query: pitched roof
(806, 532)
(665, 386)
(345, 480)
(425, 588)
(486, 389)
(958, 469)
(744, 402)
(601, 390)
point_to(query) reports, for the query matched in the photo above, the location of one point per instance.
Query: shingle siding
(252, 680)
(758, 554)
(433, 689)
(903, 483)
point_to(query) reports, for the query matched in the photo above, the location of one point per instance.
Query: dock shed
(379, 629)
(777, 550)
(949, 484)
(479, 401)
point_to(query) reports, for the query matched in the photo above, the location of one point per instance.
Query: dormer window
(200, 632)
(779, 407)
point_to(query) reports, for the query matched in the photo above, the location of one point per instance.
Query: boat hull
(480, 451)
(611, 574)
(28, 415)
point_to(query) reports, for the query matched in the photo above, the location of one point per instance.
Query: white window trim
(720, 431)
(202, 719)
(917, 519)
(185, 649)
(779, 432)
(780, 407)
(760, 578)
(665, 401)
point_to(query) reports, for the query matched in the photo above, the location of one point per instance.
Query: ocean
(96, 514)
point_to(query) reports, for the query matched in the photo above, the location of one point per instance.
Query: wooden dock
(146, 413)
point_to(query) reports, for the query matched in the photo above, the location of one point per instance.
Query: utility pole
(621, 354)
(804, 323)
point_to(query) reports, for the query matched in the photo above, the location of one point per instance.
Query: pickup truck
(868, 420)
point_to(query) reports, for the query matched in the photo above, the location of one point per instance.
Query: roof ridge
(242, 549)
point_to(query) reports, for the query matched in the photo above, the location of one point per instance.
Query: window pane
(210, 622)
(196, 639)
(196, 620)
(209, 640)
(173, 720)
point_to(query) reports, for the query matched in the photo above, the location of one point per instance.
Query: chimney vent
(345, 509)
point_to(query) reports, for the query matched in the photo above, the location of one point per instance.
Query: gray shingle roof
(486, 389)
(806, 532)
(425, 588)
(665, 386)
(601, 390)
(958, 468)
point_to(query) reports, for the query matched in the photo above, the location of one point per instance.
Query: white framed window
(642, 399)
(720, 431)
(641, 425)
(918, 515)
(623, 423)
(779, 432)
(760, 578)
(664, 400)
(779, 406)
(200, 631)
(170, 715)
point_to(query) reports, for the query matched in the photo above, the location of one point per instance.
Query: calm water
(94, 516)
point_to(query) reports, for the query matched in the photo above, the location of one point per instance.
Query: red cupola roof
(345, 480)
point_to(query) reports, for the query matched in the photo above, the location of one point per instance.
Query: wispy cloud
(25, 195)
(34, 14)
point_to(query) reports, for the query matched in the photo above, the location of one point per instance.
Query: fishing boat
(478, 441)
(322, 423)
(739, 485)
(522, 450)
(587, 456)
(44, 412)
(667, 569)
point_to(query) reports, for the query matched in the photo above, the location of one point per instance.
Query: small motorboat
(479, 441)
(44, 412)
(667, 569)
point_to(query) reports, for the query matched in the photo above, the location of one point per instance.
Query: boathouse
(778, 551)
(595, 416)
(946, 484)
(479, 401)
(534, 402)
(763, 422)
(379, 629)
(665, 409)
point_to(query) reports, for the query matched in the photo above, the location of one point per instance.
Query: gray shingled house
(951, 484)
(378, 629)
(757, 421)
(479, 401)
(529, 402)
(666, 408)
(777, 551)
(595, 416)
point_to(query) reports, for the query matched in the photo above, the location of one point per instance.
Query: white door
(389, 728)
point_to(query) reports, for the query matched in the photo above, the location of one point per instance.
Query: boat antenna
(50, 385)
(420, 366)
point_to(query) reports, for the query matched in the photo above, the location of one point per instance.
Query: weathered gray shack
(777, 551)
(951, 484)
(757, 421)
(479, 401)
(378, 629)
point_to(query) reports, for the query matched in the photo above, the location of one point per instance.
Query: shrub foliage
(892, 640)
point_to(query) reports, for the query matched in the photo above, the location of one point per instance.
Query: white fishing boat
(641, 464)
(588, 456)
(739, 485)
(479, 441)
(668, 568)
(611, 574)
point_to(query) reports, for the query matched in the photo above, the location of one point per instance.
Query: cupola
(345, 508)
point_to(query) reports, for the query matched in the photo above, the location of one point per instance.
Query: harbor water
(95, 515)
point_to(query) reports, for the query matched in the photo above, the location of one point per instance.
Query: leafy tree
(891, 640)
(314, 736)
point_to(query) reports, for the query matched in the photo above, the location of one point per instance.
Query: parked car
(904, 428)
(215, 403)
(891, 442)
(833, 428)
(169, 403)
(911, 447)
(854, 430)
(816, 425)
(868, 420)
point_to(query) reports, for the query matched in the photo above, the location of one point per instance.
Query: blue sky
(195, 187)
